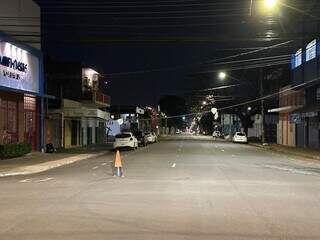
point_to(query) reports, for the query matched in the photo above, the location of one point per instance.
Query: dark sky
(126, 36)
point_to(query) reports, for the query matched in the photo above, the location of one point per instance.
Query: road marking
(25, 180)
(103, 164)
(291, 170)
(45, 180)
(173, 165)
(233, 155)
(94, 168)
(222, 150)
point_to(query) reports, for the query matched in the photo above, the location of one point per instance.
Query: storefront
(76, 125)
(307, 122)
(21, 88)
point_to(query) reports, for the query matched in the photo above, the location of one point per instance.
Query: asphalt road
(181, 188)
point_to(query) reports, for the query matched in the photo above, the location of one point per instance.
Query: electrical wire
(313, 81)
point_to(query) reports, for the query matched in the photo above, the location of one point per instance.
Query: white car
(125, 140)
(150, 137)
(155, 137)
(240, 137)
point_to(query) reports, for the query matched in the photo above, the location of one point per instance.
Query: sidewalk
(294, 151)
(39, 162)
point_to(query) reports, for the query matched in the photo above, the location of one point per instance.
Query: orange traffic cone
(118, 165)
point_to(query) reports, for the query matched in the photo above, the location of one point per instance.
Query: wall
(21, 12)
(67, 133)
(286, 131)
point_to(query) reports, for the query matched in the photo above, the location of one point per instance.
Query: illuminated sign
(311, 50)
(18, 68)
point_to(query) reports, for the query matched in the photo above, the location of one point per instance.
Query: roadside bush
(14, 150)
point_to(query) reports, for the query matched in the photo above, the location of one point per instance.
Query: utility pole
(262, 105)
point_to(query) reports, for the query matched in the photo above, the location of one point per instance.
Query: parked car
(149, 137)
(125, 140)
(240, 137)
(155, 137)
(141, 137)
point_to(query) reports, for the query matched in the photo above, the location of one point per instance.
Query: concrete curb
(270, 148)
(42, 167)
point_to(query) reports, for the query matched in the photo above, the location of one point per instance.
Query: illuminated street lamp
(204, 103)
(270, 4)
(222, 75)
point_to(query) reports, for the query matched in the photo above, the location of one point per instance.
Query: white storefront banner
(86, 112)
(18, 68)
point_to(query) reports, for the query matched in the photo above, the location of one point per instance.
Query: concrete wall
(15, 15)
(67, 133)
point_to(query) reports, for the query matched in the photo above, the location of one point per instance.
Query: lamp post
(222, 75)
(270, 4)
(262, 105)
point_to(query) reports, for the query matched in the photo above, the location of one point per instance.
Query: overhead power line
(275, 94)
(202, 63)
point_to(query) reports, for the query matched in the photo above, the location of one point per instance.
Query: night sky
(146, 49)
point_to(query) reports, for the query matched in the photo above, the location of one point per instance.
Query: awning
(286, 109)
(86, 112)
(308, 109)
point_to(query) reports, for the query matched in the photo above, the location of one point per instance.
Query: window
(3, 114)
(311, 50)
(298, 58)
(9, 112)
(12, 117)
(29, 103)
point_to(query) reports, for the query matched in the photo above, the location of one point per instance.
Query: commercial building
(21, 78)
(289, 101)
(20, 19)
(305, 76)
(125, 118)
(76, 114)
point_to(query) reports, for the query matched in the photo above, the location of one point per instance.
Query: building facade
(76, 113)
(20, 19)
(289, 101)
(21, 93)
(305, 76)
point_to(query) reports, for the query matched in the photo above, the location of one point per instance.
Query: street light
(270, 4)
(222, 75)
(249, 109)
(204, 103)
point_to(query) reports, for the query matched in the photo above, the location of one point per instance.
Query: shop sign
(310, 114)
(18, 68)
(85, 112)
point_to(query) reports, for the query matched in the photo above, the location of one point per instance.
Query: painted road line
(173, 165)
(103, 164)
(94, 168)
(25, 180)
(222, 150)
(45, 180)
(291, 170)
